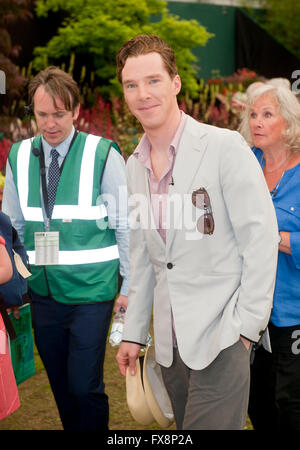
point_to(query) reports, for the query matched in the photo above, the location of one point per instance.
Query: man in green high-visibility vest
(65, 192)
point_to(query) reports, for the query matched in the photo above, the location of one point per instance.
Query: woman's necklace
(274, 191)
(278, 167)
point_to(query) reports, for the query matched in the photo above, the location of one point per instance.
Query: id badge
(46, 248)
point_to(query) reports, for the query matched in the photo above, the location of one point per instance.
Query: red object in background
(97, 119)
(5, 145)
(9, 397)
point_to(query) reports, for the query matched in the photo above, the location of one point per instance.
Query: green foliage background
(97, 29)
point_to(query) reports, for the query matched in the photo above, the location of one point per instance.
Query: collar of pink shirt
(143, 149)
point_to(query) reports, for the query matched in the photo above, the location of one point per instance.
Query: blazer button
(170, 266)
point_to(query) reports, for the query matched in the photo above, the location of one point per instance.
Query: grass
(38, 409)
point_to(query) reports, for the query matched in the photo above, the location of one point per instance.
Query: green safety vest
(88, 252)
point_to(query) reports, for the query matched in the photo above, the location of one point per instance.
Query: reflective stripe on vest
(80, 211)
(29, 213)
(83, 256)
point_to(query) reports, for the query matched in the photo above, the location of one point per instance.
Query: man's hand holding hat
(127, 356)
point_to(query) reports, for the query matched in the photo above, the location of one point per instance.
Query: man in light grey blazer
(203, 246)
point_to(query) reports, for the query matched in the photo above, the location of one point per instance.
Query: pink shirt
(159, 188)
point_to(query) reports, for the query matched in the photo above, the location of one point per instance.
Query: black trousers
(274, 401)
(71, 341)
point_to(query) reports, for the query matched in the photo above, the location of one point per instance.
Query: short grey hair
(289, 108)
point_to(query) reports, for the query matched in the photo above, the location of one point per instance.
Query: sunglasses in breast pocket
(201, 200)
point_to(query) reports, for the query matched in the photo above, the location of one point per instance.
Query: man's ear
(76, 112)
(177, 84)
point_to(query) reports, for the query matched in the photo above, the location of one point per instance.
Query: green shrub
(96, 29)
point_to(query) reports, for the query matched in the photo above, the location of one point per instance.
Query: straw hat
(147, 397)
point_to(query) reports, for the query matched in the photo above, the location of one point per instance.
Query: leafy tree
(95, 29)
(281, 20)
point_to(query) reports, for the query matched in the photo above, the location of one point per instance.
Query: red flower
(214, 81)
(97, 120)
(5, 145)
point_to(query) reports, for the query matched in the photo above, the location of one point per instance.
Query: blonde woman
(271, 125)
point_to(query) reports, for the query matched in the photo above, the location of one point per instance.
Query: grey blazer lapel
(189, 156)
(190, 152)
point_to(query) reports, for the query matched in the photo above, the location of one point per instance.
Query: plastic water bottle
(117, 326)
(148, 342)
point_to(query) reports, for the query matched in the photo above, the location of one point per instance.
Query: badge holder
(46, 248)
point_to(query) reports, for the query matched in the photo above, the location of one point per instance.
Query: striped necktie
(53, 179)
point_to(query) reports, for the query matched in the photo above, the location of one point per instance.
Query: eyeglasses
(205, 223)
